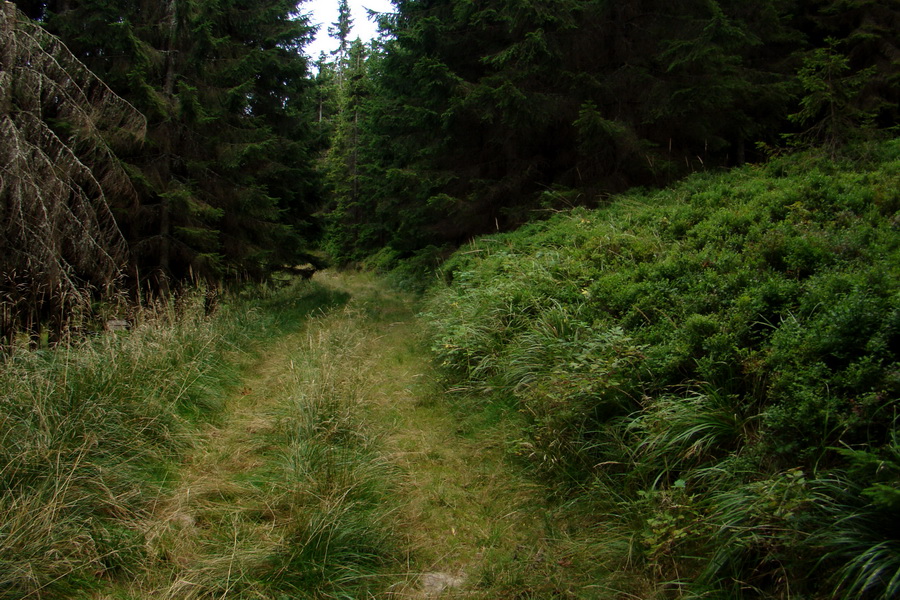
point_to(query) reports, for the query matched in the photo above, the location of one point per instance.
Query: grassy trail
(464, 515)
(213, 515)
(338, 471)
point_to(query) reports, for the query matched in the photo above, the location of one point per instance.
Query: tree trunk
(165, 249)
(354, 168)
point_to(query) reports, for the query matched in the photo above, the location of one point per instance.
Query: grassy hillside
(713, 367)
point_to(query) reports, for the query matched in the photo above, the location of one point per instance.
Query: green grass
(285, 494)
(693, 366)
(91, 434)
(332, 487)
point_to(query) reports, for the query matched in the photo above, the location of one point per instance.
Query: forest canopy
(470, 117)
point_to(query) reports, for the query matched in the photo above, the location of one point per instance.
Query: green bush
(707, 355)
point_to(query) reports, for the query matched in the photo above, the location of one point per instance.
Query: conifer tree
(228, 163)
(827, 109)
(60, 244)
(350, 220)
(260, 160)
(324, 83)
(867, 34)
(723, 78)
(482, 112)
(340, 31)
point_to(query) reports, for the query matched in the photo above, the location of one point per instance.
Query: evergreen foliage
(827, 107)
(340, 31)
(481, 116)
(60, 245)
(343, 171)
(226, 179)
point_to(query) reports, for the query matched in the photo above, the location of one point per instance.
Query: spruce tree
(340, 31)
(60, 245)
(867, 34)
(828, 112)
(350, 223)
(482, 113)
(228, 164)
(261, 163)
(722, 78)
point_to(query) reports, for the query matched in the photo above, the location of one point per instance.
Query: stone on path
(434, 584)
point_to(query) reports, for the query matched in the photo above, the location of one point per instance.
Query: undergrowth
(91, 434)
(712, 367)
(332, 486)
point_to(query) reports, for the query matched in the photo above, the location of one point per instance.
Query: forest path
(216, 521)
(464, 514)
(468, 524)
(458, 521)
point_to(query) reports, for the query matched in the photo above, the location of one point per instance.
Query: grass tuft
(332, 488)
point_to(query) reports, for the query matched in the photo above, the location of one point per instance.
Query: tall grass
(332, 488)
(90, 435)
(288, 497)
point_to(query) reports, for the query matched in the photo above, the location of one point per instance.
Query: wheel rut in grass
(215, 518)
(338, 470)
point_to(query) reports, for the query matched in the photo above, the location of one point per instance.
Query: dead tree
(59, 242)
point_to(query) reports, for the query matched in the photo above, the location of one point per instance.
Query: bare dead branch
(59, 241)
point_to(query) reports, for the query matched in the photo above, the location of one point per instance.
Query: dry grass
(335, 468)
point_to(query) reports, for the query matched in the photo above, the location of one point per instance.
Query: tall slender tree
(340, 31)
(349, 216)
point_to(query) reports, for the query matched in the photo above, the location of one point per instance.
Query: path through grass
(338, 470)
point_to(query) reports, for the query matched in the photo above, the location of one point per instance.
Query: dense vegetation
(713, 368)
(706, 373)
(222, 85)
(94, 440)
(463, 118)
(476, 116)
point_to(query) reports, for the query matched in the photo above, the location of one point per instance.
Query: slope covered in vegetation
(713, 367)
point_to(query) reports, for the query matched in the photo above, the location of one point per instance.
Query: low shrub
(714, 356)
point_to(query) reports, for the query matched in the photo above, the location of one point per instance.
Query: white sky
(324, 13)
